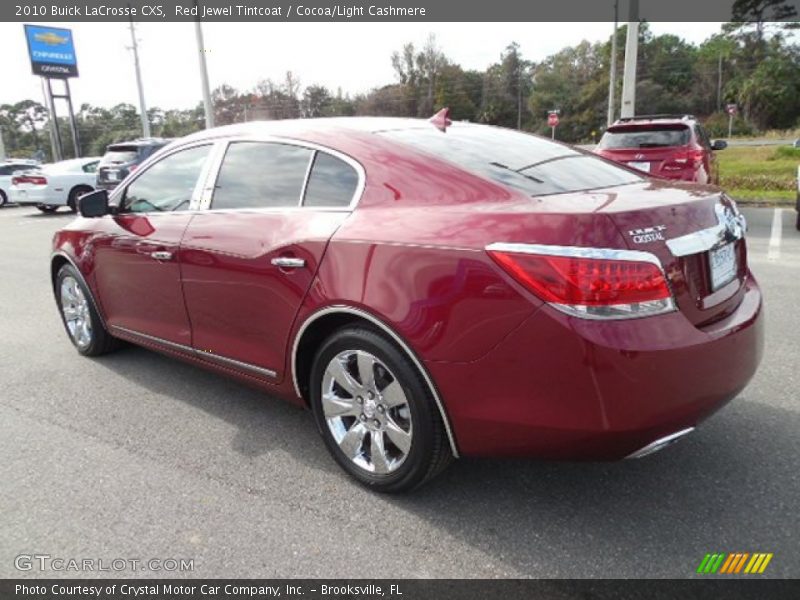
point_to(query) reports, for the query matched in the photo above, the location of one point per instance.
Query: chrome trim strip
(395, 337)
(307, 176)
(577, 251)
(95, 305)
(223, 360)
(660, 443)
(731, 226)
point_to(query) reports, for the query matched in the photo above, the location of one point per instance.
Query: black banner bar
(734, 588)
(383, 10)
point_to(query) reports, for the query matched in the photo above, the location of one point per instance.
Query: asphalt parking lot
(136, 455)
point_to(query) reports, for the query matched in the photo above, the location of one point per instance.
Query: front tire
(84, 326)
(47, 209)
(376, 413)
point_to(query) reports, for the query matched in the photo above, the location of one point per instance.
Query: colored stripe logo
(734, 563)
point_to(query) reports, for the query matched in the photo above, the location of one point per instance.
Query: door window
(167, 185)
(261, 175)
(332, 182)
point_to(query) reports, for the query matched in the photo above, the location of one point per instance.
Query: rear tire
(376, 413)
(79, 315)
(3, 198)
(797, 222)
(75, 194)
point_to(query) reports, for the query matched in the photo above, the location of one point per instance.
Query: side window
(5, 170)
(332, 182)
(168, 184)
(261, 175)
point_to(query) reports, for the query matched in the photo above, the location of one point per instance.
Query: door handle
(288, 262)
(161, 255)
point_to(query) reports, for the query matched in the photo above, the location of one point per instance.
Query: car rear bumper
(568, 388)
(33, 196)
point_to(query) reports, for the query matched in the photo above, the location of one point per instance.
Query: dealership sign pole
(52, 54)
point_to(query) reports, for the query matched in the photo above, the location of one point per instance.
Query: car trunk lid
(697, 236)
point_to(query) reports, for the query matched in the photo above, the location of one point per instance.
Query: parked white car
(7, 170)
(57, 184)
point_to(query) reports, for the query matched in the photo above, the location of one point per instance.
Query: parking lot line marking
(774, 251)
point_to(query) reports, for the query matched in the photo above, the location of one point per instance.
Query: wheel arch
(78, 186)
(57, 261)
(325, 321)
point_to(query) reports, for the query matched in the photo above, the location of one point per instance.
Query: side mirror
(719, 145)
(94, 204)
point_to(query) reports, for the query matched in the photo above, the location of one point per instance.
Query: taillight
(683, 160)
(32, 179)
(589, 282)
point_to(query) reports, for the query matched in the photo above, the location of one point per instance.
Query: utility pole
(628, 108)
(719, 83)
(519, 98)
(2, 146)
(142, 105)
(612, 80)
(201, 51)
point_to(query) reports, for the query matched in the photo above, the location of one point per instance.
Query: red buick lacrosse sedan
(427, 289)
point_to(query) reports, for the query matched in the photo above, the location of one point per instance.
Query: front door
(136, 264)
(249, 260)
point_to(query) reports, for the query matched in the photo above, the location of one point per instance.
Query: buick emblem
(639, 156)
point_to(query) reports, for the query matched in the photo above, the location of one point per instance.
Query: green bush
(717, 126)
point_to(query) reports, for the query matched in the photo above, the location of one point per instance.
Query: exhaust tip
(660, 443)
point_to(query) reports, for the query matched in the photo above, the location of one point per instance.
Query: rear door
(249, 259)
(136, 265)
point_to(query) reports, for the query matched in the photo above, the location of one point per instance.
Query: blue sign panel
(52, 51)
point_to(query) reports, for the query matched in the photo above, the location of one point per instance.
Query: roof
(296, 127)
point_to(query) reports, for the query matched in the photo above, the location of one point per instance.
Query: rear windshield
(528, 163)
(121, 154)
(645, 136)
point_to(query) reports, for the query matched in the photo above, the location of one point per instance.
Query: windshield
(525, 162)
(645, 136)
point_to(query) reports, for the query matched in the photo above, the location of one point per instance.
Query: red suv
(671, 146)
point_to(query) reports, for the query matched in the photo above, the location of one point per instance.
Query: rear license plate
(723, 266)
(112, 175)
(642, 166)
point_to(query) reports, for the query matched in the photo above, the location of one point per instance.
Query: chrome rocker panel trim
(215, 358)
(395, 337)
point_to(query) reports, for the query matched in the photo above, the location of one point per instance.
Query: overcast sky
(353, 56)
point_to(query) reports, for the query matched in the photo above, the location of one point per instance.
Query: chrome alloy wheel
(75, 307)
(367, 411)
